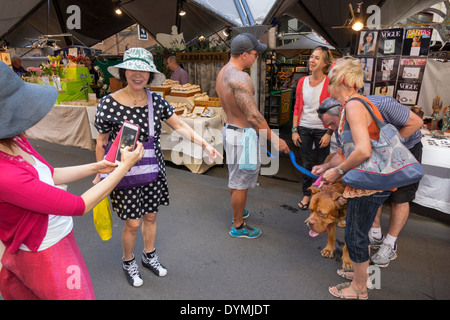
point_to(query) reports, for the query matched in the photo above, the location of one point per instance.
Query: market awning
(304, 45)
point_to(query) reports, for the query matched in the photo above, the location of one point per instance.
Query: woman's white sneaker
(131, 271)
(150, 261)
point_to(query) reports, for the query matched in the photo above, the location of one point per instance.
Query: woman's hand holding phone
(130, 158)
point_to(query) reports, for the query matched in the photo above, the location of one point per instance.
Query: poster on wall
(391, 42)
(408, 92)
(387, 68)
(366, 89)
(417, 42)
(367, 64)
(411, 70)
(367, 43)
(386, 88)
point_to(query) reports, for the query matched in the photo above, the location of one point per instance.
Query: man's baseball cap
(246, 42)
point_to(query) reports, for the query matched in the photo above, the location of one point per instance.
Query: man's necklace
(132, 98)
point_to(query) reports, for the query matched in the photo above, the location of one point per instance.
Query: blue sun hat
(141, 60)
(22, 104)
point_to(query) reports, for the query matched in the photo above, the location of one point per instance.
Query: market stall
(69, 125)
(72, 123)
(202, 113)
(434, 187)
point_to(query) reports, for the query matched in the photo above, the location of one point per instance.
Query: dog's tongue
(313, 234)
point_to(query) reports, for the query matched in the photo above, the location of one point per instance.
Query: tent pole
(206, 22)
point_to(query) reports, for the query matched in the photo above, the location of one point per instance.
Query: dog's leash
(298, 167)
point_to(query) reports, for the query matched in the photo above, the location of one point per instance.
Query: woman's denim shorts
(361, 213)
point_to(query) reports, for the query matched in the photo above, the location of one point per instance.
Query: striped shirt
(393, 112)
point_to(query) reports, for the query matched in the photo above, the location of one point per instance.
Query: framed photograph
(412, 70)
(301, 69)
(288, 69)
(367, 44)
(417, 42)
(387, 68)
(161, 93)
(385, 88)
(199, 109)
(367, 64)
(390, 42)
(408, 92)
(6, 58)
(366, 90)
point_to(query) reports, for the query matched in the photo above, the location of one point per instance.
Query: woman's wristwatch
(294, 129)
(341, 172)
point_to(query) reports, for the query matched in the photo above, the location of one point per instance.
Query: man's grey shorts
(238, 179)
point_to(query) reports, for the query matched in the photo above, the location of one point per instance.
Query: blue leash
(299, 168)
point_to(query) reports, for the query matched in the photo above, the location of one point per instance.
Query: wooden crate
(187, 94)
(165, 90)
(213, 102)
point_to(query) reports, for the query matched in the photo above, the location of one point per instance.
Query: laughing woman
(36, 225)
(308, 131)
(134, 104)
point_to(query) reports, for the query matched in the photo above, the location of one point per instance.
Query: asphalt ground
(284, 264)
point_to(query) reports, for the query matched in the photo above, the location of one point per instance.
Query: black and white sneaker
(131, 271)
(150, 261)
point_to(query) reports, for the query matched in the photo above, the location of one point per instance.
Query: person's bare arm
(413, 124)
(242, 89)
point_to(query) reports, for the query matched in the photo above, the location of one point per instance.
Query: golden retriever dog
(328, 209)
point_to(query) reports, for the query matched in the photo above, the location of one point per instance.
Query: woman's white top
(311, 102)
(58, 226)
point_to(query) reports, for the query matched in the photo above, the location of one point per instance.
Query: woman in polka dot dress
(140, 203)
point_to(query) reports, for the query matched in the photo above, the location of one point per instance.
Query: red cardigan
(299, 96)
(26, 202)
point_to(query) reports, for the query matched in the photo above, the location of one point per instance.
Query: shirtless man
(236, 93)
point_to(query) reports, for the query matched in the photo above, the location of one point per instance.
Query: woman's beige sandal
(341, 295)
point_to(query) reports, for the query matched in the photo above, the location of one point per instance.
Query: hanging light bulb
(358, 24)
(227, 31)
(118, 11)
(182, 13)
(201, 38)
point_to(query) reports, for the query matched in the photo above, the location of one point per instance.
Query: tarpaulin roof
(23, 20)
(303, 45)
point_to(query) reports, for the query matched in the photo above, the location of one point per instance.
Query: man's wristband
(294, 129)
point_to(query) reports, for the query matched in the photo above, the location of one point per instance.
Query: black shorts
(408, 193)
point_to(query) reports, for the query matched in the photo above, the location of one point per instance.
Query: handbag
(146, 170)
(103, 219)
(391, 164)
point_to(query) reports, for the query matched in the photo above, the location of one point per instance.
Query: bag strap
(379, 122)
(151, 117)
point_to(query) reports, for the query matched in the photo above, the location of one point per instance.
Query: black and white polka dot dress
(135, 202)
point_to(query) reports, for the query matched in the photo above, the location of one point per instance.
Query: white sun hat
(141, 60)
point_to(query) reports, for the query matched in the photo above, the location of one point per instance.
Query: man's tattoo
(239, 84)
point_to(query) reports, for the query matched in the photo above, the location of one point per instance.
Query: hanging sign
(203, 57)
